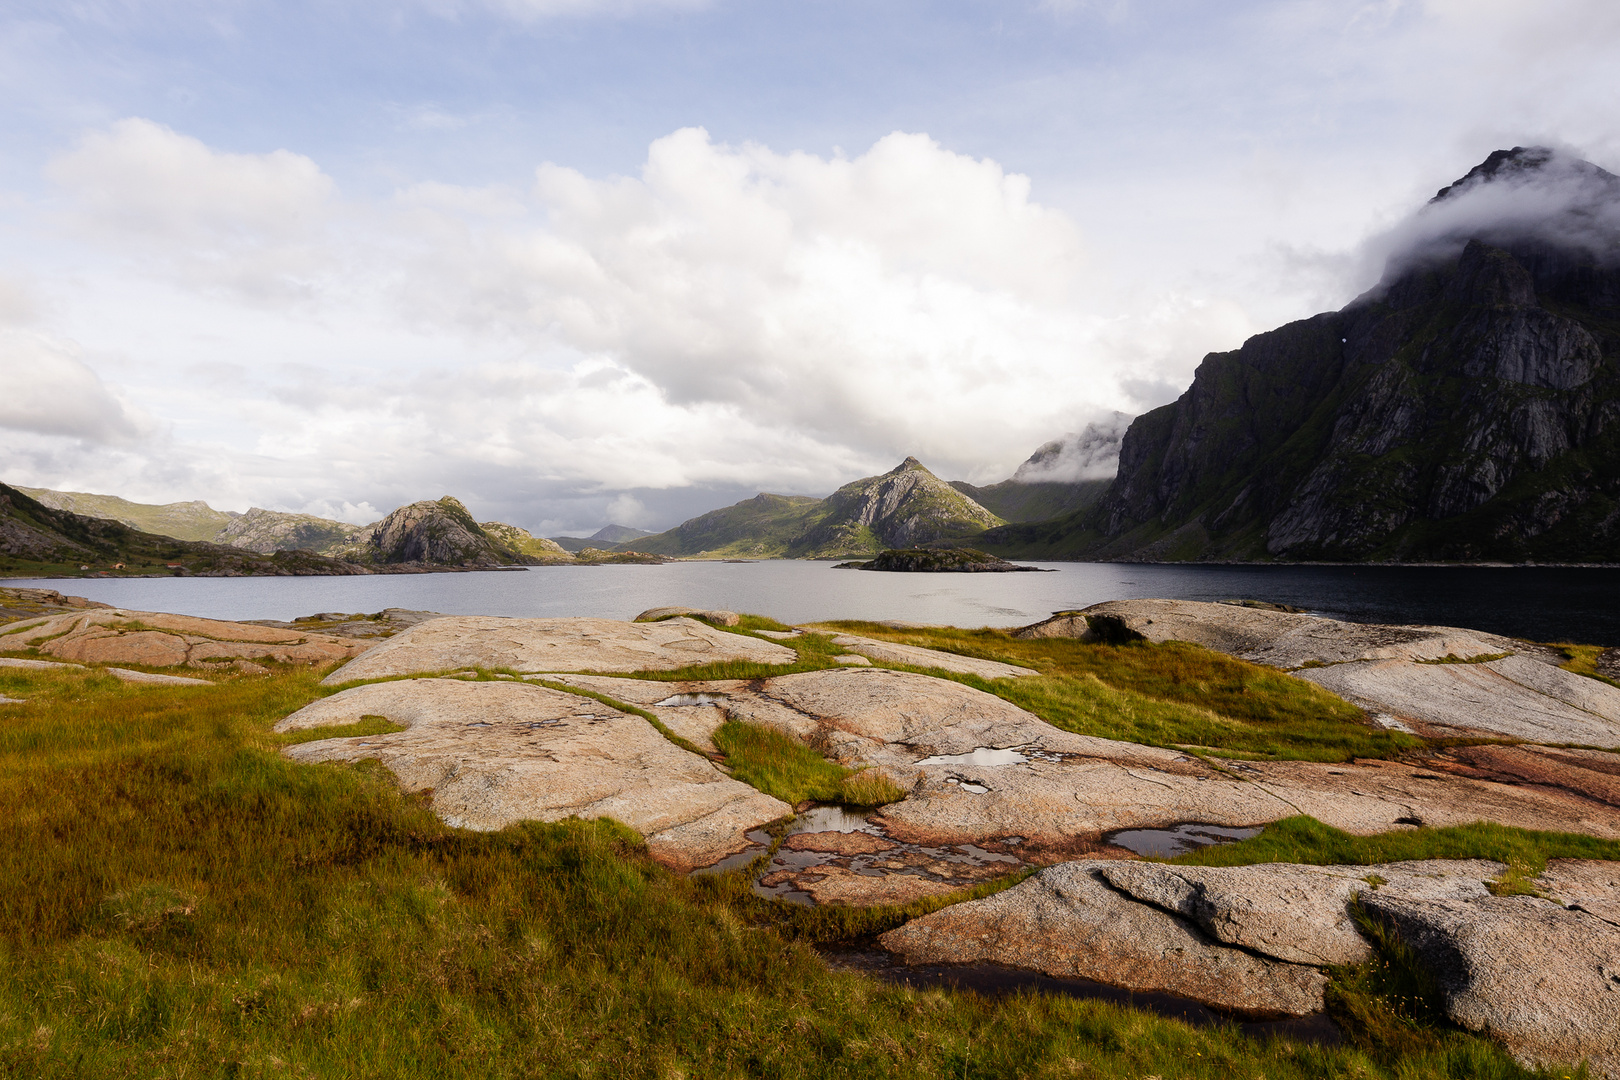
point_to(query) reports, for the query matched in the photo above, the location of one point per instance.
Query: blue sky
(577, 261)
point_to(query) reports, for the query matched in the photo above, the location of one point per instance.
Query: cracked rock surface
(541, 645)
(119, 636)
(494, 753)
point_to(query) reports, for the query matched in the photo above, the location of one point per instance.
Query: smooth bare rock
(1015, 774)
(21, 662)
(1066, 921)
(542, 645)
(1289, 911)
(889, 652)
(156, 639)
(153, 678)
(714, 617)
(1405, 675)
(1494, 698)
(852, 660)
(12, 700)
(494, 753)
(1542, 979)
(780, 635)
(1594, 774)
(1592, 885)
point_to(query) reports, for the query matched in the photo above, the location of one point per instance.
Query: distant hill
(276, 530)
(38, 540)
(904, 507)
(1014, 500)
(608, 535)
(1468, 408)
(194, 520)
(442, 532)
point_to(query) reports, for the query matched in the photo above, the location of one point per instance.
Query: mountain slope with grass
(194, 520)
(1468, 408)
(36, 540)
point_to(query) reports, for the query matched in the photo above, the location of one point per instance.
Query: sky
(582, 261)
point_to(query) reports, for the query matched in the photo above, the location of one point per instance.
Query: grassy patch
(1303, 839)
(1173, 695)
(1582, 660)
(1452, 658)
(782, 766)
(177, 899)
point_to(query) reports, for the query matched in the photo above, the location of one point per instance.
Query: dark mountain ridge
(1468, 408)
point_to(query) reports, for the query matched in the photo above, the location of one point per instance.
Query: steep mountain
(1467, 408)
(904, 507)
(606, 535)
(1061, 477)
(276, 530)
(441, 532)
(1015, 501)
(194, 520)
(38, 540)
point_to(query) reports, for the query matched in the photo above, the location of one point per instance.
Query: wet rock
(540, 645)
(1542, 979)
(851, 888)
(889, 652)
(713, 617)
(1592, 885)
(118, 636)
(838, 843)
(1068, 922)
(1289, 911)
(494, 753)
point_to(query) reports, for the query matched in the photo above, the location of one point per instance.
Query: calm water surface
(1541, 603)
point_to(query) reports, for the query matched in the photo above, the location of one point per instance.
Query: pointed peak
(911, 464)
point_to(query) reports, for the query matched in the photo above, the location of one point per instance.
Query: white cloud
(50, 391)
(252, 223)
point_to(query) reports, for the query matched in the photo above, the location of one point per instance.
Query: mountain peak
(908, 465)
(1525, 163)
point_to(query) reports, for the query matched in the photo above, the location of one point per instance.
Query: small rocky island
(937, 561)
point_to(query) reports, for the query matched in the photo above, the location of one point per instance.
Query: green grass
(1174, 694)
(1582, 660)
(782, 766)
(178, 900)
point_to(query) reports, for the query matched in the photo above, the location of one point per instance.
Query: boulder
(713, 617)
(541, 645)
(1542, 979)
(494, 753)
(1288, 911)
(1068, 922)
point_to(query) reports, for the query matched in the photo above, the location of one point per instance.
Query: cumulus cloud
(251, 222)
(51, 391)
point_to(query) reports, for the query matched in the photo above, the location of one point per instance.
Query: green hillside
(194, 520)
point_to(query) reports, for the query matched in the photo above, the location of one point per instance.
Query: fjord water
(1580, 604)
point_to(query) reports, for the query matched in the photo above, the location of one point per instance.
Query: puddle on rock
(834, 844)
(761, 841)
(998, 980)
(992, 756)
(1177, 839)
(679, 700)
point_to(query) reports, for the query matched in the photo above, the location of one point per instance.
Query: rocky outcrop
(537, 548)
(1543, 979)
(495, 753)
(117, 636)
(712, 616)
(1068, 921)
(440, 531)
(268, 531)
(1464, 409)
(1435, 680)
(936, 561)
(540, 645)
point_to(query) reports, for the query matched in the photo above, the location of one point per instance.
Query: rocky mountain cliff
(276, 530)
(441, 532)
(903, 507)
(1467, 408)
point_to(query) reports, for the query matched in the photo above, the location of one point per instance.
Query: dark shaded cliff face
(1467, 409)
